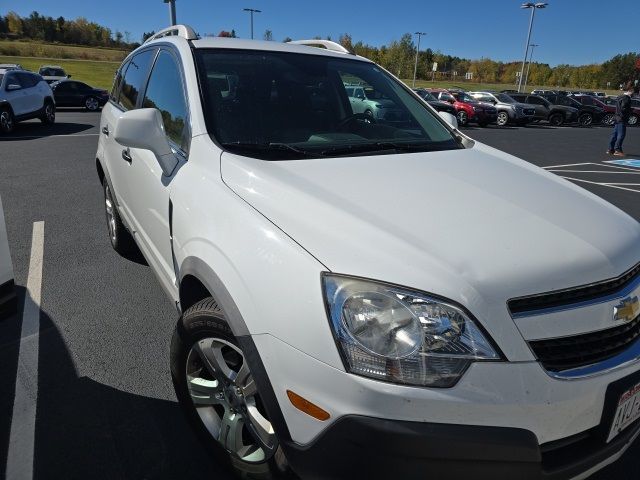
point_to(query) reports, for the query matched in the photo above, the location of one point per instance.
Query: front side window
(165, 92)
(134, 78)
(286, 105)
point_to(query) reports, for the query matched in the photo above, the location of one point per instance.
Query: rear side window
(27, 80)
(115, 91)
(166, 93)
(134, 79)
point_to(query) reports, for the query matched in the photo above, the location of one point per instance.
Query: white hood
(475, 225)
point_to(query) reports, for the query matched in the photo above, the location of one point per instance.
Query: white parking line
(567, 165)
(597, 171)
(23, 422)
(610, 185)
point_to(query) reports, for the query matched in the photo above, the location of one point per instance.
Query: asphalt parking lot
(100, 383)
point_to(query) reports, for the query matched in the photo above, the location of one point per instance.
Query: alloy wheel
(503, 118)
(6, 121)
(91, 103)
(462, 117)
(585, 119)
(109, 208)
(226, 399)
(50, 113)
(633, 120)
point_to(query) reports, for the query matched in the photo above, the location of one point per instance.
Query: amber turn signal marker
(307, 407)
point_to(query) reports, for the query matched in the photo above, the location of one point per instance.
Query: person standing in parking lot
(623, 111)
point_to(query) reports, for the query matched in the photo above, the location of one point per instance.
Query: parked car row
(25, 95)
(509, 107)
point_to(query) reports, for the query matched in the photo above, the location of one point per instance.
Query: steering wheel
(356, 116)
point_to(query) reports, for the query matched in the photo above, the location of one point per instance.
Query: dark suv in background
(587, 114)
(545, 110)
(439, 105)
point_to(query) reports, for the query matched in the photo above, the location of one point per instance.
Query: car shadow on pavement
(85, 429)
(36, 129)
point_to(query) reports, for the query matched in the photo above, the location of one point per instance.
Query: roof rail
(328, 44)
(184, 31)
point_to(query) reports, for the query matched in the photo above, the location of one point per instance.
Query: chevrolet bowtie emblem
(627, 310)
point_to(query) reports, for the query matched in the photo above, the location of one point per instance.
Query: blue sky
(568, 31)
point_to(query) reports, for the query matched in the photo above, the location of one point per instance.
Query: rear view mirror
(13, 86)
(450, 119)
(68, 76)
(143, 128)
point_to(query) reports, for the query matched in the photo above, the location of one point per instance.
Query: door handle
(105, 130)
(126, 155)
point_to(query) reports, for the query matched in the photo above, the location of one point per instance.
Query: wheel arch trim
(196, 267)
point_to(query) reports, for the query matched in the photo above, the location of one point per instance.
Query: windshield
(277, 105)
(504, 98)
(52, 72)
(463, 97)
(427, 96)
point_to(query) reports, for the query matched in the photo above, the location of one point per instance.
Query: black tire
(585, 120)
(49, 114)
(92, 104)
(502, 119)
(463, 118)
(203, 321)
(608, 119)
(7, 120)
(633, 120)
(556, 119)
(121, 240)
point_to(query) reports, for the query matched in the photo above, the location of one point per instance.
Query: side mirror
(450, 119)
(68, 76)
(13, 86)
(143, 128)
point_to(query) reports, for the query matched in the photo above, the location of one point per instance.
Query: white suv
(24, 95)
(362, 298)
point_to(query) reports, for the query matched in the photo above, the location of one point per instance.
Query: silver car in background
(509, 111)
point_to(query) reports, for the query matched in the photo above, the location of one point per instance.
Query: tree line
(61, 30)
(397, 57)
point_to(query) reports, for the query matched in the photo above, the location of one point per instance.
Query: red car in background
(468, 110)
(635, 109)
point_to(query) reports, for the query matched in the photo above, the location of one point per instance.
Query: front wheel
(91, 104)
(463, 118)
(7, 122)
(585, 120)
(556, 119)
(49, 114)
(608, 119)
(219, 396)
(503, 119)
(633, 120)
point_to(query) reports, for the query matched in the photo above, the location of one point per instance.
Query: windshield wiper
(377, 146)
(271, 147)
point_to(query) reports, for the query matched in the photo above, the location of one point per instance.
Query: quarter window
(165, 93)
(134, 79)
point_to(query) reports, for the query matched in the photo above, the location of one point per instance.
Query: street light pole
(415, 67)
(252, 11)
(526, 77)
(172, 11)
(533, 7)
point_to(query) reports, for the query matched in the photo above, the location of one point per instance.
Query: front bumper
(501, 420)
(366, 447)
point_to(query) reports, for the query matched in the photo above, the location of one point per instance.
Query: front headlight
(397, 335)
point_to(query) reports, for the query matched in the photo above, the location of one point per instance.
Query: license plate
(627, 411)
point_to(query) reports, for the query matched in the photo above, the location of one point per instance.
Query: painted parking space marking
(611, 174)
(627, 162)
(23, 421)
